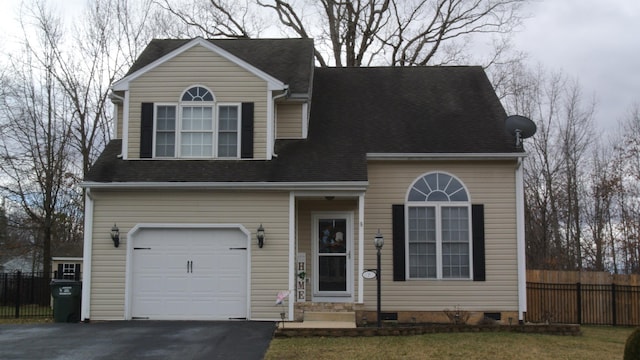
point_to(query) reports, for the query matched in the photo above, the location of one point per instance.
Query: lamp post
(378, 241)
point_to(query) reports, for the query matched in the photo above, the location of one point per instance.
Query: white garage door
(189, 274)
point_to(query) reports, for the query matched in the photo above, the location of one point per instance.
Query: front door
(332, 238)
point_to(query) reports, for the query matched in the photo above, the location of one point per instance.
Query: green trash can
(67, 296)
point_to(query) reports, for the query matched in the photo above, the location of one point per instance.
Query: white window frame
(155, 130)
(438, 205)
(215, 129)
(68, 274)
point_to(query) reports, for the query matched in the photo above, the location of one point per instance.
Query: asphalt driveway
(182, 340)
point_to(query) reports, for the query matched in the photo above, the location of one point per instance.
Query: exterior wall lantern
(115, 235)
(260, 236)
(378, 241)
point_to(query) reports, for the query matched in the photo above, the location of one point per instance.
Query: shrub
(632, 347)
(457, 316)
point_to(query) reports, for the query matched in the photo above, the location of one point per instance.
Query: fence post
(613, 304)
(5, 289)
(18, 291)
(579, 302)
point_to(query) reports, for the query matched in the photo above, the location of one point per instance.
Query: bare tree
(628, 232)
(576, 135)
(360, 32)
(102, 48)
(555, 184)
(36, 131)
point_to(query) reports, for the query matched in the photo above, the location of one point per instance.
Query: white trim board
(272, 83)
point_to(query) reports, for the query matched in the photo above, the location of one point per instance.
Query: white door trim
(346, 296)
(138, 227)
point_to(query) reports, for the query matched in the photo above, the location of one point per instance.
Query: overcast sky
(595, 41)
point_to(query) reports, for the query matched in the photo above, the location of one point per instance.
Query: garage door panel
(189, 274)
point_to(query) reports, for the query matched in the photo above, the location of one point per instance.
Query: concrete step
(348, 317)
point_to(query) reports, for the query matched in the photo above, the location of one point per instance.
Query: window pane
(332, 273)
(455, 190)
(228, 118)
(228, 131)
(437, 196)
(422, 242)
(196, 138)
(227, 145)
(165, 144)
(455, 242)
(165, 131)
(196, 144)
(166, 118)
(415, 195)
(197, 118)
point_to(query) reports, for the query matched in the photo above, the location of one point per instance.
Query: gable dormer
(209, 99)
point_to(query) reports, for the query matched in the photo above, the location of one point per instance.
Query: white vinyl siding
(230, 83)
(269, 265)
(491, 183)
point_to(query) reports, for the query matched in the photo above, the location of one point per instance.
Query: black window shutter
(60, 273)
(146, 130)
(399, 272)
(477, 223)
(246, 138)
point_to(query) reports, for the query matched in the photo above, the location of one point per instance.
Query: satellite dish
(520, 127)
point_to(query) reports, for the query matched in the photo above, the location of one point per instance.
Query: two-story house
(221, 142)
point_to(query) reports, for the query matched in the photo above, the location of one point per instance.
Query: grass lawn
(596, 343)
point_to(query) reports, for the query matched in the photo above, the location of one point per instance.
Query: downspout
(117, 99)
(520, 238)
(85, 310)
(285, 93)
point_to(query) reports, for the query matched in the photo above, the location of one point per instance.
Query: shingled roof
(288, 60)
(354, 112)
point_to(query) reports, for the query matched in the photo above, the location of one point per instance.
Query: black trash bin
(67, 295)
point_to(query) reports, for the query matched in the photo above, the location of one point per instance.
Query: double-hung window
(439, 228)
(198, 127)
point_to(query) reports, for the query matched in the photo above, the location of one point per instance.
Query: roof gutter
(337, 185)
(444, 156)
(116, 99)
(273, 143)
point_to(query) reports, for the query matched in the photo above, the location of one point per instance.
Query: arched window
(198, 127)
(439, 228)
(197, 93)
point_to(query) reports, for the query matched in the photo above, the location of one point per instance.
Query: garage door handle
(189, 266)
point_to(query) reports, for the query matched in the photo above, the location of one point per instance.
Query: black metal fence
(588, 304)
(25, 295)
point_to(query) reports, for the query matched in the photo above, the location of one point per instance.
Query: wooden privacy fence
(582, 298)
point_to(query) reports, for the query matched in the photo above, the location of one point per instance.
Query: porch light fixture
(378, 241)
(115, 235)
(260, 236)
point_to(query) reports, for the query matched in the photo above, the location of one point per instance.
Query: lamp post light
(260, 236)
(378, 241)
